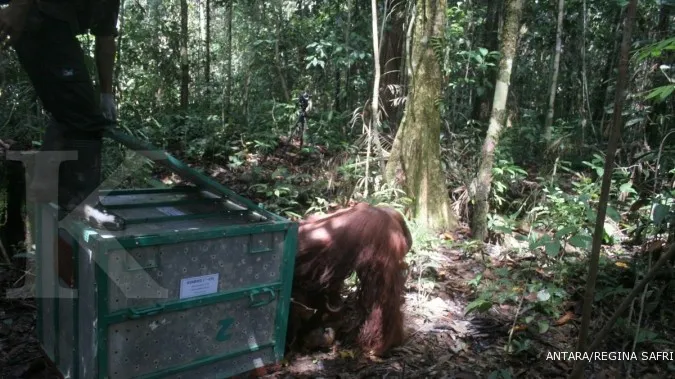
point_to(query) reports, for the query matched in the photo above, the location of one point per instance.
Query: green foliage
(542, 299)
(505, 173)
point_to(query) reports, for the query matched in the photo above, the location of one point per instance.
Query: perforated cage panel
(196, 286)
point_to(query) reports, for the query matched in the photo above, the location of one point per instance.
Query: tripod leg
(302, 133)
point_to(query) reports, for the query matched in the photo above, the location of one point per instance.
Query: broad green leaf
(627, 187)
(609, 231)
(483, 51)
(553, 248)
(634, 121)
(661, 92)
(540, 242)
(564, 231)
(659, 213)
(543, 327)
(478, 305)
(529, 319)
(580, 241)
(613, 214)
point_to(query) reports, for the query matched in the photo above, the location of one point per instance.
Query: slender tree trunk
(207, 57)
(619, 98)
(116, 74)
(662, 109)
(548, 125)
(347, 87)
(415, 159)
(375, 103)
(587, 118)
(228, 90)
(184, 64)
(483, 181)
(602, 92)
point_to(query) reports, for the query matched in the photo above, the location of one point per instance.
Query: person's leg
(53, 59)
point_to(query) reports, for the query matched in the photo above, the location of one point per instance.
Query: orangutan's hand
(13, 21)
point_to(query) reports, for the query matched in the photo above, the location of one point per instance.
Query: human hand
(108, 106)
(13, 20)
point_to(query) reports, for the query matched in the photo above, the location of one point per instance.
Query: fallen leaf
(567, 317)
(519, 328)
(532, 297)
(543, 273)
(621, 265)
(344, 354)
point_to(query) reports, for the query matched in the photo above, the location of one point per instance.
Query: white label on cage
(198, 286)
(171, 211)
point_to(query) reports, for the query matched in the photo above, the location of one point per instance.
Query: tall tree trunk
(415, 160)
(207, 42)
(619, 98)
(548, 124)
(184, 64)
(483, 181)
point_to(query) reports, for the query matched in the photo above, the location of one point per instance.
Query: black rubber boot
(78, 192)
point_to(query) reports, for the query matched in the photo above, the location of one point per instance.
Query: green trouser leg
(44, 176)
(78, 189)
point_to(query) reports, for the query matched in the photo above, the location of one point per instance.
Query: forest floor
(442, 342)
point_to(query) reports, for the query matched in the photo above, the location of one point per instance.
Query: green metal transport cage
(197, 286)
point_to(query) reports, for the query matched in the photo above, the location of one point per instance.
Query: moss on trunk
(415, 160)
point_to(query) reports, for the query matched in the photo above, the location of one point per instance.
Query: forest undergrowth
(516, 298)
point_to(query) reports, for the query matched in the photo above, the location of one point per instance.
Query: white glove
(108, 106)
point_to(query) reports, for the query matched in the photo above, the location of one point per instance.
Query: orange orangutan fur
(371, 241)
